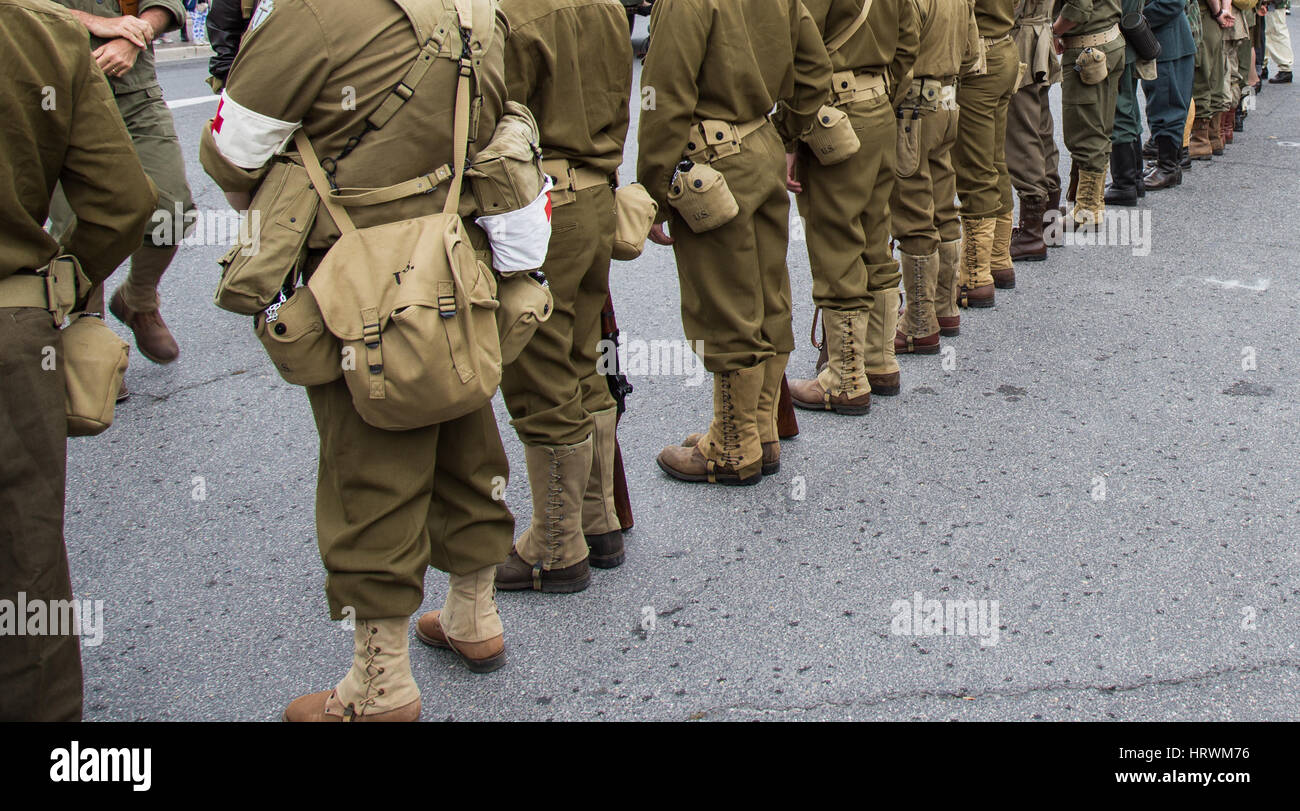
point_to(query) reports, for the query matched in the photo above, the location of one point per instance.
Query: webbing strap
(836, 42)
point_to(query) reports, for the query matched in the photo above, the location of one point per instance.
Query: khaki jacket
(326, 67)
(949, 38)
(1033, 35)
(996, 17)
(143, 73)
(887, 42)
(570, 63)
(62, 126)
(725, 60)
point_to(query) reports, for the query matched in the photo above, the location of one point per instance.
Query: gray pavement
(1109, 454)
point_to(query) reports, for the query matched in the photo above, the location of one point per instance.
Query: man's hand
(116, 57)
(1225, 18)
(659, 236)
(790, 182)
(139, 32)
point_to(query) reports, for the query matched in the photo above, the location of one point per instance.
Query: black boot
(1185, 158)
(1139, 169)
(1282, 77)
(1123, 190)
(1167, 173)
(1239, 120)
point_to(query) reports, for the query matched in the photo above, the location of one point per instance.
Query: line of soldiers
(945, 101)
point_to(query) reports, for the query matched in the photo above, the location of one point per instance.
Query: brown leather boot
(479, 657)
(842, 386)
(1053, 201)
(1216, 134)
(975, 278)
(152, 337)
(1027, 239)
(771, 453)
(731, 452)
(918, 329)
(379, 687)
(1226, 121)
(769, 403)
(1199, 146)
(1000, 266)
(945, 291)
(551, 555)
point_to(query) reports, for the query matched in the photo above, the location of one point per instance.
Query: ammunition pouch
(832, 139)
(849, 87)
(271, 249)
(701, 196)
(508, 173)
(922, 96)
(712, 140)
(1137, 33)
(634, 215)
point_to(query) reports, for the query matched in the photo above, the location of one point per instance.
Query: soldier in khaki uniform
(61, 126)
(983, 182)
(388, 503)
(122, 45)
(562, 407)
(729, 62)
(1032, 156)
(1088, 110)
(1208, 87)
(923, 208)
(846, 205)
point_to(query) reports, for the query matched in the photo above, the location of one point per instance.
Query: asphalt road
(1110, 456)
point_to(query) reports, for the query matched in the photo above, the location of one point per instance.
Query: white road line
(191, 102)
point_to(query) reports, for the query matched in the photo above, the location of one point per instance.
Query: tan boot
(379, 687)
(600, 524)
(731, 452)
(769, 400)
(841, 386)
(945, 290)
(135, 304)
(1198, 145)
(551, 555)
(1216, 134)
(1090, 206)
(918, 331)
(882, 325)
(975, 279)
(468, 623)
(1000, 266)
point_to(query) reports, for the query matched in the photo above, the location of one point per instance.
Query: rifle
(620, 389)
(130, 8)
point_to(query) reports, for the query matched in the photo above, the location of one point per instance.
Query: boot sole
(950, 332)
(549, 586)
(980, 305)
(728, 480)
(917, 350)
(475, 665)
(1031, 257)
(848, 411)
(1004, 285)
(771, 469)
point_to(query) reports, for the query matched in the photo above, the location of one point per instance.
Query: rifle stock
(620, 389)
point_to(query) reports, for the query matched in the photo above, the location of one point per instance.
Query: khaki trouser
(735, 287)
(553, 388)
(391, 503)
(1277, 39)
(153, 133)
(40, 675)
(1032, 156)
(846, 213)
(983, 182)
(923, 208)
(1088, 111)
(1207, 89)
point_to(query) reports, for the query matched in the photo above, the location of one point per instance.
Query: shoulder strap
(336, 199)
(837, 42)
